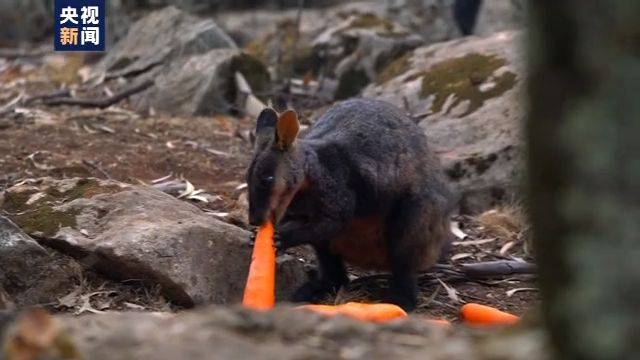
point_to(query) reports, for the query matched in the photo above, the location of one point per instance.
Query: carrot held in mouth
(260, 290)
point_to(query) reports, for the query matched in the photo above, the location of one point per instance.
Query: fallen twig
(13, 53)
(101, 102)
(498, 268)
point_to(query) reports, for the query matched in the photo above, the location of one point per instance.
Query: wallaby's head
(277, 168)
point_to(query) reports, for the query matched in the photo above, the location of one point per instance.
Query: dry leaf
(473, 242)
(451, 292)
(506, 247)
(188, 190)
(134, 306)
(455, 229)
(198, 198)
(461, 256)
(161, 179)
(217, 152)
(511, 292)
(71, 299)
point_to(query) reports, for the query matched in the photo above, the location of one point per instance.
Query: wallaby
(362, 186)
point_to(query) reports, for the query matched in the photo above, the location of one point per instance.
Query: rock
(202, 84)
(31, 274)
(468, 95)
(274, 34)
(495, 16)
(6, 302)
(285, 333)
(133, 232)
(431, 19)
(24, 21)
(142, 49)
(359, 47)
(192, 65)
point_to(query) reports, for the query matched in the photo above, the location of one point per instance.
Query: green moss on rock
(397, 67)
(386, 28)
(42, 216)
(462, 77)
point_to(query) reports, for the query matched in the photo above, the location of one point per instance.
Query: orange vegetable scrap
(439, 322)
(360, 311)
(260, 290)
(477, 314)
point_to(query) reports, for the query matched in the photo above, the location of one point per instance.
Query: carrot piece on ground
(439, 322)
(485, 315)
(360, 311)
(259, 292)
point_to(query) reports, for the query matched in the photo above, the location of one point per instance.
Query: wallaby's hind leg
(332, 276)
(414, 234)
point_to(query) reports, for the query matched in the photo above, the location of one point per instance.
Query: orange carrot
(439, 322)
(360, 311)
(259, 292)
(477, 314)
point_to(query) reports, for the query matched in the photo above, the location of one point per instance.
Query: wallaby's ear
(267, 119)
(287, 129)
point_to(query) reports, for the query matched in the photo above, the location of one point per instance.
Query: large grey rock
(276, 42)
(467, 95)
(356, 49)
(495, 16)
(284, 334)
(202, 84)
(159, 38)
(29, 273)
(431, 19)
(24, 21)
(133, 232)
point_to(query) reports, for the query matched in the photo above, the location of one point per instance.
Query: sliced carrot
(485, 315)
(260, 290)
(360, 311)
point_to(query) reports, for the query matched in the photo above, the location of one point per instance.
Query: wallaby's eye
(267, 181)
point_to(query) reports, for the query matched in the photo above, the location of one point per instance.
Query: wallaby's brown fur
(362, 187)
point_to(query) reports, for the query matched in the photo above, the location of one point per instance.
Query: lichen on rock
(36, 207)
(462, 78)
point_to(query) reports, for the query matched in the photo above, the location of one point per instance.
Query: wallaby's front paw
(283, 238)
(406, 302)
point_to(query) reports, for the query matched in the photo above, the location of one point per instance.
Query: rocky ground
(122, 182)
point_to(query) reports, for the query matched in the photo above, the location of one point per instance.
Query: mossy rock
(462, 77)
(396, 68)
(285, 50)
(37, 209)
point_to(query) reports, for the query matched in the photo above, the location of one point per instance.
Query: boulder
(356, 49)
(284, 333)
(496, 16)
(24, 21)
(276, 42)
(467, 95)
(190, 67)
(430, 19)
(134, 232)
(142, 50)
(202, 84)
(31, 274)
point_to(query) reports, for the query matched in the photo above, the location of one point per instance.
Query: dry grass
(508, 223)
